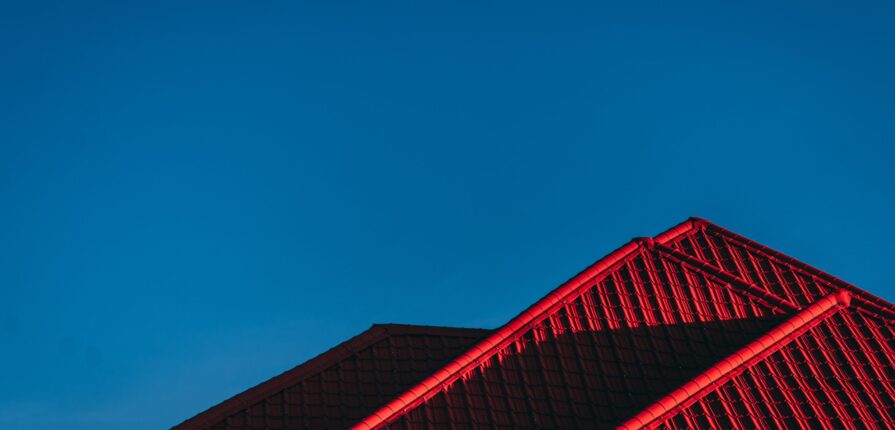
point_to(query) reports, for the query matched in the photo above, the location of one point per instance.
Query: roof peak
(559, 296)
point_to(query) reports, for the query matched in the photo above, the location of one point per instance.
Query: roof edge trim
(502, 336)
(730, 366)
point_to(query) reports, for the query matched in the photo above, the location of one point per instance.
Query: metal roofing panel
(839, 373)
(749, 355)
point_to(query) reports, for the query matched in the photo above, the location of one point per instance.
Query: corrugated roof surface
(341, 386)
(638, 325)
(838, 374)
(695, 328)
(748, 262)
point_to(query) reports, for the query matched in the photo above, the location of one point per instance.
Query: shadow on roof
(585, 379)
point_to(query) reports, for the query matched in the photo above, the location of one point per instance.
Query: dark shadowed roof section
(342, 385)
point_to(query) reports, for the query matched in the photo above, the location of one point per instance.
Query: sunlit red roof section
(341, 386)
(697, 327)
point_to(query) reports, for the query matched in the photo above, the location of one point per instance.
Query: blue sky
(197, 196)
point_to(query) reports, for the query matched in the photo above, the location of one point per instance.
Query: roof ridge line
(768, 298)
(409, 329)
(730, 366)
(491, 344)
(672, 233)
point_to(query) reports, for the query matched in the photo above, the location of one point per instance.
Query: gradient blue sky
(199, 195)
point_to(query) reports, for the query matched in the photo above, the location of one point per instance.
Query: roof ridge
(491, 344)
(733, 364)
(401, 329)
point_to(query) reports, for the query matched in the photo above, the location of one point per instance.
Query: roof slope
(834, 369)
(650, 318)
(344, 384)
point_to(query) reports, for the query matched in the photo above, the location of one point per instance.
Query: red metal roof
(835, 370)
(695, 328)
(341, 386)
(748, 356)
(638, 325)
